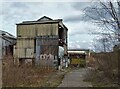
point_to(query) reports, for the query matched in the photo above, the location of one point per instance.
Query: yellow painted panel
(78, 61)
(75, 61)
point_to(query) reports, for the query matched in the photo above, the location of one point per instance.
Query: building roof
(7, 37)
(80, 52)
(6, 34)
(44, 20)
(78, 49)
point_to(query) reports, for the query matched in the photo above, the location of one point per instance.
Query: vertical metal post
(37, 56)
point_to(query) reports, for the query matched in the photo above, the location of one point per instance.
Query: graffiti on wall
(48, 57)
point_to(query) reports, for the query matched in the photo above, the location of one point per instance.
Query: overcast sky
(71, 12)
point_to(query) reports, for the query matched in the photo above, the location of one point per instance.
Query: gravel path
(75, 79)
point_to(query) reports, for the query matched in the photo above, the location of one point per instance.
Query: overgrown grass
(103, 71)
(24, 76)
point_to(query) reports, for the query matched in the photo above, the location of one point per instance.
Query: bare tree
(106, 14)
(104, 43)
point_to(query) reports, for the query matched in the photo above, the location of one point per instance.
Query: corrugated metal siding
(37, 29)
(29, 52)
(46, 51)
(26, 30)
(47, 29)
(25, 52)
(25, 48)
(55, 29)
(21, 53)
(25, 43)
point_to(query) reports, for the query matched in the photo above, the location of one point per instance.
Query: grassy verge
(23, 76)
(30, 76)
(56, 79)
(103, 70)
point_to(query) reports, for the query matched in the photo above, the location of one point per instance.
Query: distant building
(7, 41)
(39, 41)
(78, 56)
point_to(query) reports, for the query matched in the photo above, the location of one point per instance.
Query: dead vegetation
(103, 71)
(25, 76)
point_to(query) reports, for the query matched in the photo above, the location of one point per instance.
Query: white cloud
(78, 30)
(47, 0)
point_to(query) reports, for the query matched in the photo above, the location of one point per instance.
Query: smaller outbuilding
(78, 57)
(7, 42)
